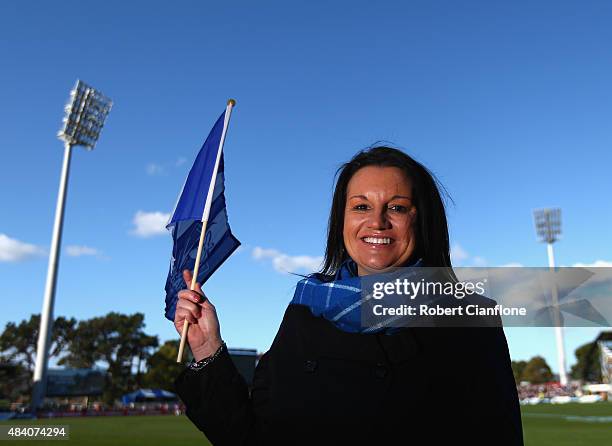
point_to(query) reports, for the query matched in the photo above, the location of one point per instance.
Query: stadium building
(605, 349)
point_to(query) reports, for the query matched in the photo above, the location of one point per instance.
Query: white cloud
(461, 258)
(154, 169)
(458, 254)
(12, 250)
(78, 251)
(262, 253)
(595, 264)
(479, 261)
(149, 224)
(161, 169)
(284, 263)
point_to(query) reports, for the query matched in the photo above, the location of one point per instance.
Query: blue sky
(509, 104)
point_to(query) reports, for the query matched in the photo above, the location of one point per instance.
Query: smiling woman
(327, 379)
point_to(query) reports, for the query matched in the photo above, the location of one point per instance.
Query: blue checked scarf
(339, 300)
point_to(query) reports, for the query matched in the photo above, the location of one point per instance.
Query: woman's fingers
(191, 303)
(190, 295)
(193, 309)
(182, 314)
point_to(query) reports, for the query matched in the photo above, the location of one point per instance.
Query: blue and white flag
(189, 214)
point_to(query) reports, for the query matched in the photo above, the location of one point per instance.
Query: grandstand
(605, 349)
(245, 360)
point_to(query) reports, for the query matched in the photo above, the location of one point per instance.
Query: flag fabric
(186, 221)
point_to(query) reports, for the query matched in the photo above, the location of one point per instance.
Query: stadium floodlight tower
(85, 116)
(548, 227)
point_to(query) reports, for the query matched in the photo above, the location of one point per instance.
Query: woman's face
(379, 219)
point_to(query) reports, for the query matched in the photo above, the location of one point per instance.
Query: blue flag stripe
(190, 205)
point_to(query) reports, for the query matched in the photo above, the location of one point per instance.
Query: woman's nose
(378, 220)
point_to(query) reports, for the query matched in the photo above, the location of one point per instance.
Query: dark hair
(431, 231)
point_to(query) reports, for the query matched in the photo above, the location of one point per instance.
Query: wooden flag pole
(228, 112)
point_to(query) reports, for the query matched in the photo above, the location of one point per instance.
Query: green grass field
(166, 430)
(568, 424)
(554, 425)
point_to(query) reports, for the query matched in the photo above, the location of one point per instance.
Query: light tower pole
(548, 227)
(85, 116)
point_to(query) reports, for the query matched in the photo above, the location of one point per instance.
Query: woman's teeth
(377, 241)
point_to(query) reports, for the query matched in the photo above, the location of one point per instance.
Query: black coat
(320, 385)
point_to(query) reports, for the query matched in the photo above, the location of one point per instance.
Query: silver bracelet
(199, 365)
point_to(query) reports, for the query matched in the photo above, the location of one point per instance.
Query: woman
(328, 380)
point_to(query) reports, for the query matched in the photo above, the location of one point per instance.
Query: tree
(163, 368)
(18, 342)
(116, 339)
(145, 346)
(15, 380)
(517, 370)
(587, 366)
(537, 371)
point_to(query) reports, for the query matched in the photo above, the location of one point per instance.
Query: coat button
(380, 371)
(310, 366)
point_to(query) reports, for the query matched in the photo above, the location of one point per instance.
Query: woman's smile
(377, 241)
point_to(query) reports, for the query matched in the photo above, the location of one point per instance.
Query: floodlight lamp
(548, 224)
(85, 116)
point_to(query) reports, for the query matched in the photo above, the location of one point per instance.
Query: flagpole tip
(231, 102)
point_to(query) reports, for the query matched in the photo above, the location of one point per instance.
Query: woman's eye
(398, 208)
(360, 207)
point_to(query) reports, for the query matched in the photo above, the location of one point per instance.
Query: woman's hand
(204, 336)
